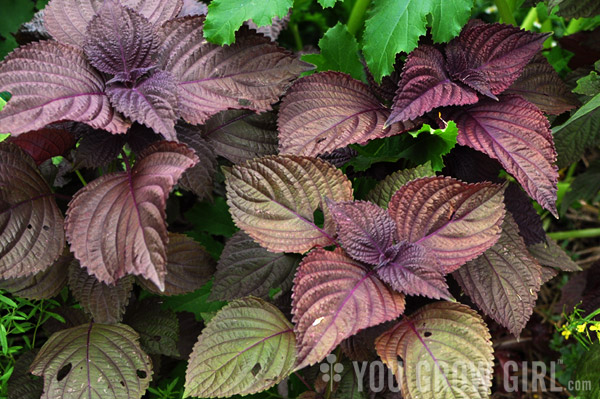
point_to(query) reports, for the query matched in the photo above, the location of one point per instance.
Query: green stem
(573, 26)
(505, 11)
(357, 16)
(583, 233)
(296, 33)
(571, 172)
(530, 18)
(78, 173)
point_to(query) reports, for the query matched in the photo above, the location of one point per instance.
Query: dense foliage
(211, 214)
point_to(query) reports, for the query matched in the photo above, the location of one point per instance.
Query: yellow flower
(566, 334)
(594, 327)
(581, 327)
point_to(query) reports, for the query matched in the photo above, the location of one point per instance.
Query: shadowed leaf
(21, 384)
(105, 303)
(247, 347)
(245, 268)
(549, 254)
(198, 179)
(158, 328)
(505, 280)
(31, 225)
(189, 267)
(45, 143)
(335, 297)
(382, 193)
(43, 285)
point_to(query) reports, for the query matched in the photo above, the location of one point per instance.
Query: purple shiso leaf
(415, 271)
(116, 224)
(329, 110)
(67, 20)
(49, 82)
(490, 57)
(516, 133)
(120, 41)
(425, 85)
(45, 143)
(335, 297)
(156, 11)
(198, 179)
(250, 74)
(152, 102)
(455, 221)
(365, 230)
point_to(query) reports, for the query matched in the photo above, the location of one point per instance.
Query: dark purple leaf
(120, 41)
(425, 85)
(576, 8)
(198, 179)
(339, 156)
(158, 327)
(105, 303)
(271, 31)
(240, 135)
(151, 102)
(98, 148)
(516, 133)
(67, 20)
(471, 166)
(250, 74)
(156, 11)
(329, 110)
(116, 224)
(505, 280)
(366, 231)
(245, 268)
(414, 271)
(43, 285)
(49, 82)
(31, 225)
(361, 347)
(490, 57)
(540, 84)
(520, 207)
(454, 220)
(45, 143)
(549, 254)
(335, 297)
(140, 137)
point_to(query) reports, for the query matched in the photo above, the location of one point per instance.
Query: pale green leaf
(249, 346)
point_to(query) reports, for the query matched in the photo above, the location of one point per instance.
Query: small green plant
(583, 328)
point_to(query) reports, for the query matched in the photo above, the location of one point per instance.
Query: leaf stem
(582, 233)
(126, 161)
(505, 11)
(80, 176)
(357, 16)
(530, 18)
(297, 38)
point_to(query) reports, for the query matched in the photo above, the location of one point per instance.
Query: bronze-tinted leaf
(45, 143)
(329, 110)
(31, 225)
(273, 199)
(116, 224)
(335, 297)
(198, 179)
(456, 221)
(382, 193)
(516, 133)
(504, 280)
